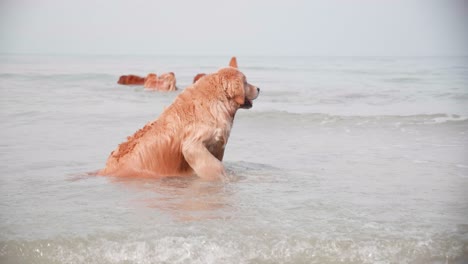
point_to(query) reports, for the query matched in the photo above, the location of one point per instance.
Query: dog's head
(151, 76)
(236, 87)
(167, 76)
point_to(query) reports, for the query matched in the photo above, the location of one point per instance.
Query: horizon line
(222, 55)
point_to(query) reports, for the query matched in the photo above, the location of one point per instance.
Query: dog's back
(131, 80)
(155, 150)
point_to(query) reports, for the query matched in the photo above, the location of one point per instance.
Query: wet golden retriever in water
(131, 80)
(198, 77)
(190, 136)
(165, 82)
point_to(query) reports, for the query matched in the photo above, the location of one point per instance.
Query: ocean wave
(323, 118)
(228, 249)
(278, 68)
(403, 80)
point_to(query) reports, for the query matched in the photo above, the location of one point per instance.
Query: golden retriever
(165, 82)
(197, 77)
(131, 80)
(190, 136)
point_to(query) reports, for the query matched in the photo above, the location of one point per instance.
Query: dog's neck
(225, 110)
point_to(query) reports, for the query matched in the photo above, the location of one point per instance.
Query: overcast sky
(242, 27)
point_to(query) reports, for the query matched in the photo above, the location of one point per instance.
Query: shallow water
(341, 160)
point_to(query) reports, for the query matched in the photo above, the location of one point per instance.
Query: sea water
(340, 160)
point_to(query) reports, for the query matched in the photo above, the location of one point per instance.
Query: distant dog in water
(165, 82)
(232, 63)
(131, 80)
(198, 77)
(190, 136)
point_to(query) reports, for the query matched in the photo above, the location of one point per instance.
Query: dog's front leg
(204, 164)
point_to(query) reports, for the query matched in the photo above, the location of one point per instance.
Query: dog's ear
(233, 62)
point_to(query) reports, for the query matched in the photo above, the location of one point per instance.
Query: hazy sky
(243, 27)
